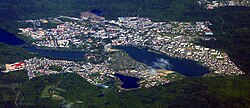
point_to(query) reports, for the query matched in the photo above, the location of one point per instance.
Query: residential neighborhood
(175, 39)
(212, 4)
(96, 74)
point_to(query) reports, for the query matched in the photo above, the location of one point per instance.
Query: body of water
(128, 82)
(185, 67)
(69, 55)
(9, 38)
(96, 12)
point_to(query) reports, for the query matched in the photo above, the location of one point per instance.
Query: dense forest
(13, 10)
(230, 24)
(72, 90)
(10, 85)
(232, 30)
(11, 54)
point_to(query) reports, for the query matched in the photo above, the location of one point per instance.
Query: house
(208, 32)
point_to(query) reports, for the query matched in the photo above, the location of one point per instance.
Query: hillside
(10, 84)
(72, 90)
(14, 10)
(232, 28)
(11, 54)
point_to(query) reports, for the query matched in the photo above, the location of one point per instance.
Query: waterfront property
(161, 61)
(96, 36)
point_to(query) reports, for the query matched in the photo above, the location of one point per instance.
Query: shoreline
(121, 83)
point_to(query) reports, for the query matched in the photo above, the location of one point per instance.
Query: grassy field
(56, 68)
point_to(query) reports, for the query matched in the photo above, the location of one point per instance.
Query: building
(208, 32)
(15, 66)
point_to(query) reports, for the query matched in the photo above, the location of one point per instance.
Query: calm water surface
(128, 82)
(9, 38)
(185, 67)
(69, 55)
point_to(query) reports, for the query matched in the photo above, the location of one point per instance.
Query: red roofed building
(15, 66)
(208, 32)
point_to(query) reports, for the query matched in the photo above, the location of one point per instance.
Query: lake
(68, 55)
(96, 12)
(9, 38)
(185, 67)
(128, 82)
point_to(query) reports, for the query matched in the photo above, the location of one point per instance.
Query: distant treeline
(12, 11)
(230, 24)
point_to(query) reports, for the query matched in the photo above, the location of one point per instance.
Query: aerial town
(212, 4)
(175, 39)
(96, 74)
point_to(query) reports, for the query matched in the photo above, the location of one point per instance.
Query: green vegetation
(111, 9)
(56, 68)
(174, 76)
(49, 25)
(120, 60)
(204, 92)
(231, 26)
(67, 88)
(234, 28)
(11, 54)
(46, 91)
(10, 84)
(12, 11)
(70, 89)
